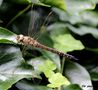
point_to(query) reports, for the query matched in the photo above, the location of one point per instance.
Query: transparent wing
(33, 15)
(39, 20)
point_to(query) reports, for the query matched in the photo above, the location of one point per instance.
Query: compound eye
(19, 38)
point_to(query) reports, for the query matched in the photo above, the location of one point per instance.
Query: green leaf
(54, 57)
(41, 64)
(78, 75)
(82, 30)
(63, 40)
(85, 17)
(36, 62)
(57, 80)
(1, 2)
(71, 87)
(55, 3)
(74, 6)
(65, 16)
(47, 68)
(20, 1)
(24, 85)
(68, 43)
(95, 50)
(94, 74)
(95, 1)
(89, 18)
(7, 36)
(11, 67)
(35, 2)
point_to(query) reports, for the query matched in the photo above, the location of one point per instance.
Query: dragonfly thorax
(25, 40)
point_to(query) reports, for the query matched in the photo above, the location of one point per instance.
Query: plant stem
(62, 64)
(62, 68)
(20, 13)
(59, 88)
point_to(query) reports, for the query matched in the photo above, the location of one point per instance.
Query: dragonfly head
(20, 38)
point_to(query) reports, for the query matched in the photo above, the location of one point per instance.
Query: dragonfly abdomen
(55, 51)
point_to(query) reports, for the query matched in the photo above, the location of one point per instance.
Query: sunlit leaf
(74, 6)
(39, 65)
(49, 65)
(55, 3)
(47, 68)
(86, 17)
(63, 40)
(54, 57)
(68, 43)
(7, 36)
(11, 67)
(78, 75)
(57, 80)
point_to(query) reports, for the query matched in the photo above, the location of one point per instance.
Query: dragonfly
(26, 40)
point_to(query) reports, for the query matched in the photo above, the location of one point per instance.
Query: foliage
(69, 26)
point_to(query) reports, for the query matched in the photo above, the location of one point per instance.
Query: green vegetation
(69, 26)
